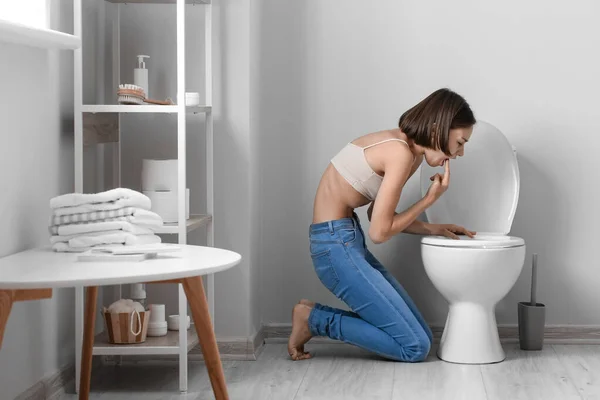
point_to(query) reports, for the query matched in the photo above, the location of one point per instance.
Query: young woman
(373, 169)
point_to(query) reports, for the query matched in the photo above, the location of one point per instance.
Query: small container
(532, 319)
(173, 322)
(192, 99)
(157, 328)
(532, 316)
(158, 313)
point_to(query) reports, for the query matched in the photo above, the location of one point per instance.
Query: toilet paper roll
(165, 204)
(159, 175)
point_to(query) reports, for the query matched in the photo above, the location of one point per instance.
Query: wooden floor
(342, 372)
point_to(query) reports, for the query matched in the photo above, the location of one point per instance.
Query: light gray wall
(36, 158)
(329, 73)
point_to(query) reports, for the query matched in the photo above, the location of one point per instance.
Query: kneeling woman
(374, 169)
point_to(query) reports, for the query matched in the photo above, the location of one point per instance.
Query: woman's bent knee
(420, 350)
(414, 352)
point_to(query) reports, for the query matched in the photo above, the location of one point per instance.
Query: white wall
(36, 158)
(331, 72)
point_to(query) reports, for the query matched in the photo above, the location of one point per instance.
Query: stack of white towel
(118, 217)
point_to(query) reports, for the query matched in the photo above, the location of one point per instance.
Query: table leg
(88, 342)
(194, 292)
(6, 301)
(8, 297)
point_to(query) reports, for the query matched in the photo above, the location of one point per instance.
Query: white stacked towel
(118, 217)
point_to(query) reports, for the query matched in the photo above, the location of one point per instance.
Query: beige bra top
(352, 164)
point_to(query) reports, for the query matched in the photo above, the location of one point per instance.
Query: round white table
(32, 274)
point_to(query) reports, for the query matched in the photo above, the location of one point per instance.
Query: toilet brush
(532, 316)
(533, 279)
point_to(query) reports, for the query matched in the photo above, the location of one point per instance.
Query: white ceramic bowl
(173, 322)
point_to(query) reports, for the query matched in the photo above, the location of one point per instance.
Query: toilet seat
(480, 241)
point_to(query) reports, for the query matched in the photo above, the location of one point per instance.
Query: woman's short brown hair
(428, 123)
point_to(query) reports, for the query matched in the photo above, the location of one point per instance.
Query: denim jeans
(384, 320)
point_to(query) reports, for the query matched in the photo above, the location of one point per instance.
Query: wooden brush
(130, 94)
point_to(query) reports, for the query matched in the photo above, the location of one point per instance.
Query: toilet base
(471, 335)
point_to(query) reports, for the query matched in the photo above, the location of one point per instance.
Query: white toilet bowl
(473, 275)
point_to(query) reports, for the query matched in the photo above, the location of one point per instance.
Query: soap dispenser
(138, 293)
(140, 75)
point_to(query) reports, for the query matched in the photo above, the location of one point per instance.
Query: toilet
(473, 275)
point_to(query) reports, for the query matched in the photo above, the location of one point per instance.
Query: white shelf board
(158, 1)
(168, 344)
(11, 32)
(150, 108)
(195, 222)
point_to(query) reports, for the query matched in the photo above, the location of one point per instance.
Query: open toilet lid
(484, 184)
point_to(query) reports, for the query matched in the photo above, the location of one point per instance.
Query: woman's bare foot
(300, 333)
(308, 303)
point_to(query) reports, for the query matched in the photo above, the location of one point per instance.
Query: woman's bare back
(335, 197)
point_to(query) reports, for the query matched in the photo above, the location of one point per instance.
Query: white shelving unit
(181, 342)
(116, 108)
(12, 32)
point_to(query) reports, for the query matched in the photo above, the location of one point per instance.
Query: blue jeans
(385, 320)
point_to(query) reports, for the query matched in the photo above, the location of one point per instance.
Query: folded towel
(134, 215)
(85, 243)
(75, 229)
(110, 196)
(65, 238)
(125, 238)
(91, 216)
(62, 247)
(76, 203)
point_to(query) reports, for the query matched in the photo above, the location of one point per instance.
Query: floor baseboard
(52, 386)
(553, 334)
(49, 386)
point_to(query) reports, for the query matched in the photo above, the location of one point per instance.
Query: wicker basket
(124, 328)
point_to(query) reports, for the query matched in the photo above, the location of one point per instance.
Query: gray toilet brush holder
(532, 317)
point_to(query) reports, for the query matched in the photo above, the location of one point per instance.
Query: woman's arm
(419, 228)
(402, 221)
(449, 230)
(416, 228)
(385, 222)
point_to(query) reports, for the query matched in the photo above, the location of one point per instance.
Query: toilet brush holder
(532, 317)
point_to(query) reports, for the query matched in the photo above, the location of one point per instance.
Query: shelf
(119, 108)
(168, 344)
(195, 222)
(158, 1)
(12, 32)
